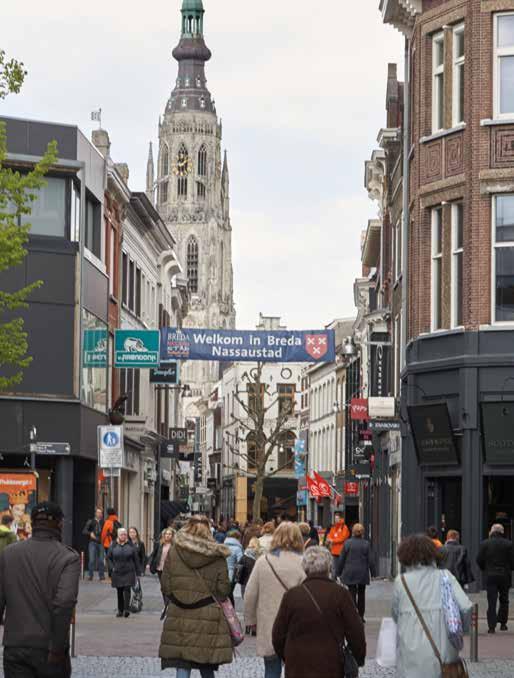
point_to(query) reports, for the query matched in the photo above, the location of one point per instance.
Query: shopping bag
(452, 614)
(386, 644)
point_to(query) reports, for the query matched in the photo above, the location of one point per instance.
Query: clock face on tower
(183, 166)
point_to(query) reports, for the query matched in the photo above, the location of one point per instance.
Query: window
(437, 82)
(48, 210)
(93, 240)
(286, 399)
(94, 378)
(397, 249)
(192, 265)
(397, 326)
(200, 189)
(112, 250)
(202, 102)
(202, 162)
(138, 292)
(458, 76)
(198, 81)
(131, 286)
(75, 213)
(503, 258)
(182, 171)
(130, 385)
(124, 282)
(251, 450)
(457, 263)
(286, 450)
(165, 161)
(163, 192)
(504, 65)
(183, 102)
(255, 403)
(437, 262)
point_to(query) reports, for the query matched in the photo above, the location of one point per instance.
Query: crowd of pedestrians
(305, 602)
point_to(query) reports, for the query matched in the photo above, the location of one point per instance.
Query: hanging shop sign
(498, 432)
(178, 435)
(379, 364)
(381, 407)
(137, 349)
(433, 434)
(95, 348)
(110, 447)
(351, 489)
(359, 409)
(51, 449)
(166, 376)
(381, 425)
(310, 346)
(299, 458)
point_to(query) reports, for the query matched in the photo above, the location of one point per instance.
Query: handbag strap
(317, 606)
(422, 622)
(202, 579)
(276, 574)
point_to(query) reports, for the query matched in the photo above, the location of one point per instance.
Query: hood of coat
(251, 553)
(198, 552)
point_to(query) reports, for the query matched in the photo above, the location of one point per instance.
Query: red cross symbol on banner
(316, 345)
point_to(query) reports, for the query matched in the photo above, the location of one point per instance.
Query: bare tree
(262, 433)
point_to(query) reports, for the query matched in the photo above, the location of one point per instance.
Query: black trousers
(359, 598)
(497, 587)
(123, 598)
(26, 662)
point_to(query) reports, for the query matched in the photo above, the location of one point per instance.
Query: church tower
(191, 189)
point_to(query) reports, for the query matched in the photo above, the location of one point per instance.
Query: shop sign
(166, 376)
(178, 435)
(379, 365)
(351, 489)
(302, 497)
(433, 434)
(381, 407)
(95, 348)
(359, 409)
(170, 450)
(51, 449)
(381, 425)
(299, 458)
(110, 447)
(136, 349)
(498, 432)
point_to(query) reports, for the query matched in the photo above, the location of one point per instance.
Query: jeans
(497, 587)
(272, 667)
(358, 594)
(25, 662)
(123, 598)
(95, 559)
(185, 673)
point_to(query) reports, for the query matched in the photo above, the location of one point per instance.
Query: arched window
(286, 449)
(202, 162)
(192, 265)
(182, 171)
(165, 161)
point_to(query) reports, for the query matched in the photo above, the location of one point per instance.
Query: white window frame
(495, 246)
(457, 251)
(437, 71)
(398, 249)
(435, 257)
(498, 52)
(458, 71)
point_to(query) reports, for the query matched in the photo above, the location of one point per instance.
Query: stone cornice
(401, 14)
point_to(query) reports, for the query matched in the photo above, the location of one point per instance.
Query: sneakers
(126, 614)
(504, 627)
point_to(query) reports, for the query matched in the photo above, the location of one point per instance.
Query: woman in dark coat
(308, 640)
(136, 542)
(195, 634)
(124, 568)
(355, 565)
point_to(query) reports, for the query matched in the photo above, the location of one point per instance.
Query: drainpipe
(405, 206)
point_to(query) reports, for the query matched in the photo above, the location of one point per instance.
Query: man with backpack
(95, 551)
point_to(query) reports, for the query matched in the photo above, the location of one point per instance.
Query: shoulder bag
(350, 667)
(456, 669)
(286, 588)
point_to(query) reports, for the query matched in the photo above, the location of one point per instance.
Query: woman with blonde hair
(160, 551)
(267, 536)
(195, 634)
(273, 574)
(355, 565)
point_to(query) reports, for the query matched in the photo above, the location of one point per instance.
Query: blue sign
(111, 439)
(247, 346)
(299, 458)
(95, 348)
(301, 498)
(136, 348)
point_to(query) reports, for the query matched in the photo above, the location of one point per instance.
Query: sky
(300, 86)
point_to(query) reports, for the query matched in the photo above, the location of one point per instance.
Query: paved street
(108, 646)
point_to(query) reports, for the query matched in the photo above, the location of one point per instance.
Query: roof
(192, 5)
(401, 14)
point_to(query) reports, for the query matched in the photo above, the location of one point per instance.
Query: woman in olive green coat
(195, 633)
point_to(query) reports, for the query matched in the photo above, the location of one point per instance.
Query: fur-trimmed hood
(198, 552)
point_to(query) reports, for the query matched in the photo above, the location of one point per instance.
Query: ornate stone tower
(192, 188)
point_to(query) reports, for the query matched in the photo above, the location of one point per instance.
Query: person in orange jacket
(337, 536)
(110, 528)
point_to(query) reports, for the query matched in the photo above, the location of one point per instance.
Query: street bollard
(73, 629)
(473, 637)
(82, 562)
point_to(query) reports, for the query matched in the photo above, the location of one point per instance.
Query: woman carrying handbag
(426, 648)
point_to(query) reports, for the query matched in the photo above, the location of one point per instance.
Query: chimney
(100, 139)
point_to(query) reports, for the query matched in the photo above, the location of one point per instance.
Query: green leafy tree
(17, 192)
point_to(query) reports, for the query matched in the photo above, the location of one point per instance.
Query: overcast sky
(300, 85)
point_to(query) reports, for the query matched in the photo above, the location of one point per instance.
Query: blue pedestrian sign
(137, 349)
(111, 439)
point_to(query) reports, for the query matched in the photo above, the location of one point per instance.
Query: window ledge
(489, 122)
(443, 133)
(500, 326)
(97, 263)
(434, 334)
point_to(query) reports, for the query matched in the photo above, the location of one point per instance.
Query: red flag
(324, 487)
(314, 490)
(359, 409)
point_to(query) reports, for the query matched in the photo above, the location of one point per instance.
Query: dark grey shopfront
(458, 444)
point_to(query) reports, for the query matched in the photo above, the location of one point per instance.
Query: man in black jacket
(95, 550)
(454, 557)
(39, 581)
(496, 559)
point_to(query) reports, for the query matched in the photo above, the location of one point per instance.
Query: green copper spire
(192, 17)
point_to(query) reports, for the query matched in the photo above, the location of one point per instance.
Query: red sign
(316, 345)
(351, 489)
(324, 487)
(359, 409)
(314, 490)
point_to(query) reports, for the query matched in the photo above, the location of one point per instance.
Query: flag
(313, 487)
(324, 487)
(96, 115)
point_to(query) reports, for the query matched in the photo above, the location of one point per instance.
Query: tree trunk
(257, 498)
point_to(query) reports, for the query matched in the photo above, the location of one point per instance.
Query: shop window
(48, 210)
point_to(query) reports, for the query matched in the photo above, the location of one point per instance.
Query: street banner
(95, 348)
(310, 346)
(359, 409)
(138, 349)
(299, 458)
(18, 496)
(312, 487)
(110, 447)
(324, 487)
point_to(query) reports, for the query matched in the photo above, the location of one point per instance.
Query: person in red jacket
(110, 528)
(337, 536)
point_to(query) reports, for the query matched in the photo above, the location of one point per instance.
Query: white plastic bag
(386, 644)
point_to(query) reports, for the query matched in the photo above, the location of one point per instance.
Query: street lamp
(349, 347)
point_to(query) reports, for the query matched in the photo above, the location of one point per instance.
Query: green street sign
(136, 348)
(95, 348)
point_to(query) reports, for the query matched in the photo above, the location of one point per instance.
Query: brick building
(458, 378)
